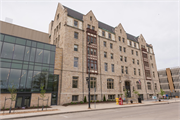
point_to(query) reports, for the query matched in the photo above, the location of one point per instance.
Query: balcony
(147, 68)
(144, 49)
(91, 31)
(145, 59)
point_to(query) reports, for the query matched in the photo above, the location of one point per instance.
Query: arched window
(149, 85)
(138, 85)
(110, 83)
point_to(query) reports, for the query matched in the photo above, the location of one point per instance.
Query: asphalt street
(156, 112)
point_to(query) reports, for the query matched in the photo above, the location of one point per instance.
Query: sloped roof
(148, 45)
(79, 16)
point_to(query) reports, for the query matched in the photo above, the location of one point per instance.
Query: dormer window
(103, 33)
(57, 16)
(91, 18)
(75, 23)
(109, 36)
(120, 31)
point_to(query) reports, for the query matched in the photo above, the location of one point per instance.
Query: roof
(131, 37)
(79, 16)
(148, 46)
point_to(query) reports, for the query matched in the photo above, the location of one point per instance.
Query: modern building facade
(169, 80)
(117, 60)
(26, 62)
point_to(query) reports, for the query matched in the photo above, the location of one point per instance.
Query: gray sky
(157, 21)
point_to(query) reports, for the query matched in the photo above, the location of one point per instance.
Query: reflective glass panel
(34, 44)
(19, 52)
(14, 78)
(28, 43)
(4, 77)
(32, 54)
(46, 57)
(53, 48)
(0, 46)
(23, 79)
(27, 54)
(40, 45)
(36, 81)
(20, 41)
(52, 58)
(1, 37)
(29, 79)
(47, 47)
(5, 64)
(39, 55)
(9, 39)
(7, 50)
(17, 66)
(25, 66)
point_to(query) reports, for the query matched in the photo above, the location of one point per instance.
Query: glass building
(26, 65)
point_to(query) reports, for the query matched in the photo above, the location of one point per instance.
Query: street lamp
(89, 80)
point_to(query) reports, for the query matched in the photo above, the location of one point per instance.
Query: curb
(86, 110)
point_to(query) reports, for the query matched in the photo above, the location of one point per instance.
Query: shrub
(3, 108)
(104, 99)
(72, 103)
(97, 101)
(85, 99)
(7, 108)
(81, 102)
(91, 101)
(33, 106)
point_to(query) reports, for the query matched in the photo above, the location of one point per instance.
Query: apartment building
(117, 59)
(169, 80)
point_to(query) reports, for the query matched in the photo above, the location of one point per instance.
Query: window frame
(75, 79)
(110, 83)
(76, 35)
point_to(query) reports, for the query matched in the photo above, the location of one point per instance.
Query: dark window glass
(7, 50)
(17, 66)
(25, 66)
(52, 57)
(0, 46)
(28, 43)
(53, 48)
(31, 67)
(46, 57)
(5, 64)
(1, 37)
(20, 41)
(29, 79)
(47, 47)
(4, 77)
(37, 68)
(19, 52)
(27, 54)
(34, 44)
(9, 39)
(23, 79)
(39, 55)
(14, 78)
(40, 45)
(45, 68)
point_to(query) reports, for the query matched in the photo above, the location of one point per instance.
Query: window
(59, 25)
(120, 31)
(147, 73)
(111, 55)
(7, 50)
(57, 16)
(105, 66)
(155, 86)
(75, 47)
(93, 27)
(139, 71)
(138, 62)
(93, 97)
(111, 45)
(74, 97)
(88, 52)
(110, 83)
(105, 54)
(93, 82)
(103, 33)
(150, 57)
(75, 61)
(124, 49)
(90, 18)
(121, 58)
(138, 85)
(153, 74)
(109, 36)
(126, 70)
(92, 51)
(134, 44)
(125, 59)
(39, 55)
(76, 35)
(152, 65)
(104, 44)
(89, 26)
(149, 85)
(130, 43)
(119, 38)
(146, 64)
(136, 53)
(112, 67)
(144, 55)
(133, 61)
(134, 71)
(19, 52)
(95, 53)
(111, 97)
(75, 23)
(92, 64)
(75, 82)
(122, 69)
(123, 40)
(132, 52)
(120, 48)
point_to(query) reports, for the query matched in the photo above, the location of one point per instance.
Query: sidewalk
(81, 108)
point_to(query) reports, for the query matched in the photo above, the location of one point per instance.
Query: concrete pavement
(83, 108)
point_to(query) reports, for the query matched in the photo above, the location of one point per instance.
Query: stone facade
(61, 32)
(8, 101)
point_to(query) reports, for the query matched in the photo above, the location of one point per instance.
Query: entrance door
(128, 88)
(54, 99)
(23, 100)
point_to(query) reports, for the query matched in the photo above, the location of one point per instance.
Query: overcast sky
(157, 21)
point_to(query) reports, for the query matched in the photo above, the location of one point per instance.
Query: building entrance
(128, 88)
(23, 100)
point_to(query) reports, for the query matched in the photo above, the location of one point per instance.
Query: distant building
(169, 80)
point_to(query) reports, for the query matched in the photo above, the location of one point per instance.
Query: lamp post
(89, 80)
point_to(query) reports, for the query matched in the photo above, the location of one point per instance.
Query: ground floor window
(93, 97)
(150, 95)
(111, 97)
(75, 98)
